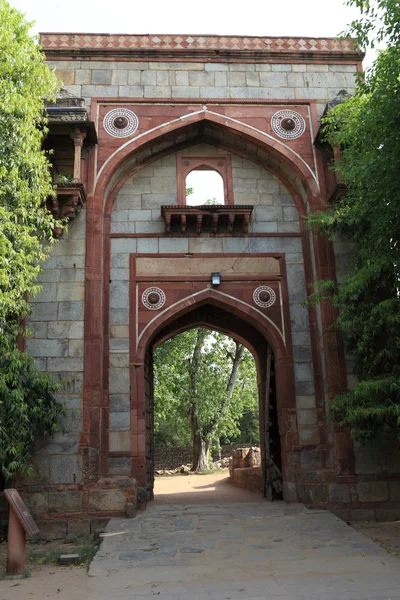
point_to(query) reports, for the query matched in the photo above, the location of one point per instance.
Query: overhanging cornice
(59, 46)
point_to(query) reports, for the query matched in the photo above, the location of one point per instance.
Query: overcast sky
(311, 18)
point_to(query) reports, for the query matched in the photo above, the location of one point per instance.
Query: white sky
(313, 18)
(206, 185)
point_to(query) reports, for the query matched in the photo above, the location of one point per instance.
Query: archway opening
(204, 186)
(173, 415)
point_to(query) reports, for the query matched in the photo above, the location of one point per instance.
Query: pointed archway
(212, 310)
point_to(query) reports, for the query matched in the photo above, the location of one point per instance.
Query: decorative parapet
(68, 111)
(208, 46)
(67, 203)
(206, 218)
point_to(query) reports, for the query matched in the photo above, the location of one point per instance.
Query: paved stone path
(252, 551)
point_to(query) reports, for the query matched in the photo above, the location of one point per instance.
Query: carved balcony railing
(207, 219)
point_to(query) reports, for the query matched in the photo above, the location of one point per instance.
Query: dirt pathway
(196, 489)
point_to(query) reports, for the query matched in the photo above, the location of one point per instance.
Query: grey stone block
(182, 91)
(305, 402)
(309, 435)
(130, 91)
(68, 501)
(310, 459)
(119, 345)
(119, 360)
(204, 245)
(306, 416)
(70, 330)
(339, 493)
(289, 227)
(119, 316)
(119, 381)
(213, 92)
(47, 348)
(122, 246)
(268, 213)
(72, 291)
(299, 317)
(119, 294)
(150, 227)
(118, 466)
(102, 91)
(102, 76)
(64, 365)
(273, 80)
(264, 227)
(39, 329)
(70, 311)
(127, 227)
(65, 469)
(119, 78)
(59, 443)
(83, 76)
(148, 78)
(47, 293)
(120, 421)
(304, 388)
(121, 261)
(216, 67)
(147, 245)
(72, 421)
(174, 244)
(120, 441)
(373, 491)
(119, 403)
(105, 500)
(155, 91)
(302, 353)
(119, 274)
(134, 78)
(69, 401)
(201, 78)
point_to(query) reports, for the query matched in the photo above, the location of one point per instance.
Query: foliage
(27, 408)
(176, 398)
(365, 128)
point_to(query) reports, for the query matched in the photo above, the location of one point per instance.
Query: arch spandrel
(149, 146)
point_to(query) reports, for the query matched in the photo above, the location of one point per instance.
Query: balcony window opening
(204, 187)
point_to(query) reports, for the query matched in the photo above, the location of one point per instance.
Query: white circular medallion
(120, 122)
(153, 298)
(288, 124)
(264, 296)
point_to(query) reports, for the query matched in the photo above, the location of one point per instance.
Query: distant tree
(365, 128)
(28, 409)
(208, 380)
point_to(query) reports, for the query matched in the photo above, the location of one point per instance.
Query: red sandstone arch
(244, 324)
(277, 150)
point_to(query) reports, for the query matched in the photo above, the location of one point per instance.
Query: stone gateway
(137, 115)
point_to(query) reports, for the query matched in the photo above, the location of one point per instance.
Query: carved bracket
(67, 202)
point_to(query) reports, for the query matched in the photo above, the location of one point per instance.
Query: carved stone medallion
(153, 298)
(120, 122)
(264, 296)
(288, 124)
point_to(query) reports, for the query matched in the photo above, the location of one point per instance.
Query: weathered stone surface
(373, 491)
(106, 500)
(65, 468)
(68, 501)
(120, 441)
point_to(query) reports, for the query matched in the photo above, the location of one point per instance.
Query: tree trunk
(200, 453)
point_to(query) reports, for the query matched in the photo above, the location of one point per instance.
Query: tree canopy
(365, 128)
(27, 406)
(204, 383)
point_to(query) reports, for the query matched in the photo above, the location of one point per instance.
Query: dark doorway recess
(219, 319)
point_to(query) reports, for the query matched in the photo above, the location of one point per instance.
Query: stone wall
(137, 210)
(57, 344)
(172, 457)
(107, 79)
(245, 469)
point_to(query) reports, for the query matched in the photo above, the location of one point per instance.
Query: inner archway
(216, 318)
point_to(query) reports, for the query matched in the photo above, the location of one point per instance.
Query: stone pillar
(78, 137)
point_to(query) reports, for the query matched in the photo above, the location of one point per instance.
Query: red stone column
(93, 343)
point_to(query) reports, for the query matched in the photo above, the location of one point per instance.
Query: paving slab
(247, 551)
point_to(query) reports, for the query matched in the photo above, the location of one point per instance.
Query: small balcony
(211, 219)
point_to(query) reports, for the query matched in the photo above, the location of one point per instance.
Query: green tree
(206, 380)
(27, 406)
(365, 128)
